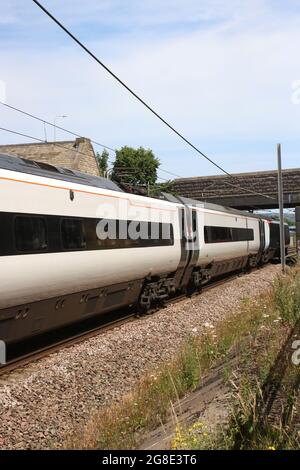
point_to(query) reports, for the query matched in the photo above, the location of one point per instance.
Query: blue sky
(222, 72)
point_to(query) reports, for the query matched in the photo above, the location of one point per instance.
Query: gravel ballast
(43, 402)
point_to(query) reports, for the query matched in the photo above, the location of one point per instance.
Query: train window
(217, 234)
(132, 234)
(250, 234)
(30, 233)
(242, 234)
(183, 224)
(73, 236)
(274, 235)
(50, 233)
(194, 221)
(166, 235)
(227, 234)
(287, 235)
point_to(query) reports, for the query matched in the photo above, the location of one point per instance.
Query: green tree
(102, 160)
(135, 166)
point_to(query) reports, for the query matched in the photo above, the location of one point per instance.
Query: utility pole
(54, 124)
(297, 216)
(280, 200)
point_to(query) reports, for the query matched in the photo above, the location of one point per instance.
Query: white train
(74, 245)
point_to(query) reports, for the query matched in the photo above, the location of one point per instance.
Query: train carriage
(74, 246)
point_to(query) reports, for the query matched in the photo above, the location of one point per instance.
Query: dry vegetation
(265, 384)
(258, 331)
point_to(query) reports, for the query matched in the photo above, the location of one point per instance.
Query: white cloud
(135, 11)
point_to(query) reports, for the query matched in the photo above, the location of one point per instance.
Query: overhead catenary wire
(88, 51)
(53, 125)
(86, 155)
(63, 146)
(135, 95)
(56, 144)
(161, 178)
(44, 121)
(169, 172)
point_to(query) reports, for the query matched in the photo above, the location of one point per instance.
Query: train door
(189, 245)
(262, 236)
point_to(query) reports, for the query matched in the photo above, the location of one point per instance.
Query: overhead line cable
(86, 155)
(135, 95)
(88, 51)
(43, 141)
(44, 121)
(54, 125)
(55, 144)
(50, 143)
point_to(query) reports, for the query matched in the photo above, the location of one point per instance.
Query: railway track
(276, 398)
(46, 349)
(32, 350)
(273, 407)
(266, 402)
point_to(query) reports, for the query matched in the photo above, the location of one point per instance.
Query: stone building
(75, 155)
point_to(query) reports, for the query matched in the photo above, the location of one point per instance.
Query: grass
(122, 426)
(251, 425)
(253, 430)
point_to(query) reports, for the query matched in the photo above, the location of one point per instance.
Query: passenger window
(30, 233)
(227, 234)
(194, 221)
(73, 236)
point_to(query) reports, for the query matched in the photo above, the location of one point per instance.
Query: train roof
(207, 205)
(32, 167)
